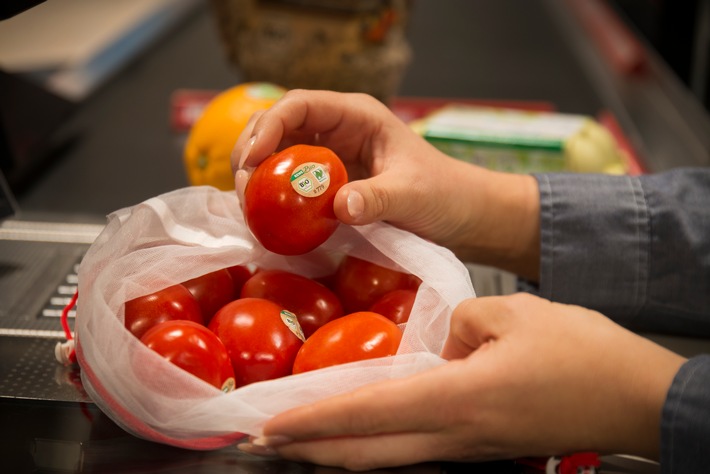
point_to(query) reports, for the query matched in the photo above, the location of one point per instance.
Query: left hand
(398, 177)
(526, 377)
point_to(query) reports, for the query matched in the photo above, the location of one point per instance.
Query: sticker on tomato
(291, 322)
(229, 385)
(310, 179)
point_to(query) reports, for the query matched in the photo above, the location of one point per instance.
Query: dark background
(680, 32)
(116, 147)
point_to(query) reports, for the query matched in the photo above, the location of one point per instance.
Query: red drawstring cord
(64, 351)
(65, 316)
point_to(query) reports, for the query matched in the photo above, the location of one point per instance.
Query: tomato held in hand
(288, 200)
(193, 348)
(312, 303)
(171, 303)
(261, 339)
(396, 305)
(359, 283)
(357, 336)
(212, 291)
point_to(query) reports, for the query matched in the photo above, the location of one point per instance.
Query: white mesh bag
(192, 231)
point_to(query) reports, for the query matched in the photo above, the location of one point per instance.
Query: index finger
(339, 121)
(393, 406)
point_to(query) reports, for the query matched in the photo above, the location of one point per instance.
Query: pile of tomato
(239, 325)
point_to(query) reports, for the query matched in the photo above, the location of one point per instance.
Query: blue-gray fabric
(637, 249)
(685, 423)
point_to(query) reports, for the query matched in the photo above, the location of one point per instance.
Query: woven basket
(347, 46)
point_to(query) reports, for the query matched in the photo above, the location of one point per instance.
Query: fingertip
(477, 321)
(363, 201)
(259, 139)
(355, 204)
(245, 141)
(350, 205)
(257, 450)
(272, 441)
(241, 178)
(246, 151)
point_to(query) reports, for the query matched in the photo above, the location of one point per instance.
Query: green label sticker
(229, 385)
(291, 322)
(310, 179)
(265, 90)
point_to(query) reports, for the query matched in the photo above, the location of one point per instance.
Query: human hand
(526, 377)
(398, 177)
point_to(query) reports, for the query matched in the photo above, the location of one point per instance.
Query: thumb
(368, 200)
(475, 322)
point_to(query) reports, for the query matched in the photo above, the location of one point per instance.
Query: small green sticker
(291, 322)
(310, 179)
(229, 385)
(265, 90)
(297, 174)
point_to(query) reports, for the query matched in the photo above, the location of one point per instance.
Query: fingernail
(355, 204)
(240, 183)
(251, 448)
(246, 151)
(272, 441)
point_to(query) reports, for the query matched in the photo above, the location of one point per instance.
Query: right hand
(398, 177)
(526, 377)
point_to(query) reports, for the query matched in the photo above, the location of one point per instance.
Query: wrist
(644, 378)
(505, 223)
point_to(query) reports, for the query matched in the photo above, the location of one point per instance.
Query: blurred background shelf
(75, 45)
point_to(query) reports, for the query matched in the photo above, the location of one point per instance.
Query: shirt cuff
(595, 242)
(685, 421)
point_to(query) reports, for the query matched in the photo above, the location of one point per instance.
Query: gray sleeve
(636, 249)
(685, 420)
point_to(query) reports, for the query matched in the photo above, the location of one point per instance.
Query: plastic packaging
(522, 141)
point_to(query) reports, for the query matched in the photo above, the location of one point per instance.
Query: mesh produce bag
(192, 231)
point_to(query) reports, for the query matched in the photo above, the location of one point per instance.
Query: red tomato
(359, 283)
(212, 291)
(193, 348)
(240, 274)
(396, 305)
(259, 338)
(288, 201)
(327, 280)
(173, 302)
(312, 303)
(357, 336)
